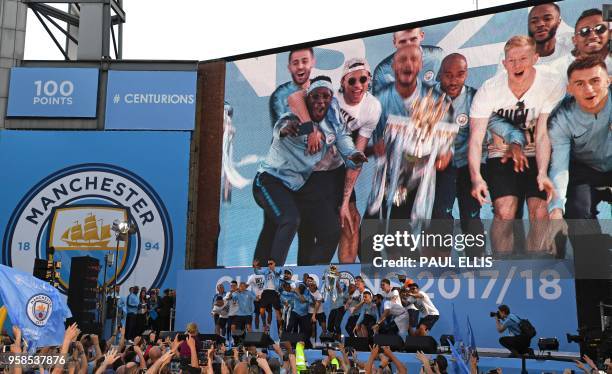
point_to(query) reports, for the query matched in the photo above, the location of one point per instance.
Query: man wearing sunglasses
(523, 96)
(591, 38)
(282, 181)
(384, 75)
(357, 110)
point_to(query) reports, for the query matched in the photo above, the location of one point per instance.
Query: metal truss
(112, 15)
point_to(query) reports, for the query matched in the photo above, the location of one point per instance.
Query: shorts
(222, 322)
(320, 317)
(368, 321)
(242, 321)
(269, 298)
(256, 304)
(413, 317)
(504, 181)
(428, 321)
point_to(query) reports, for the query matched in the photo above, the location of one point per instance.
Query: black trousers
(350, 325)
(319, 231)
(516, 344)
(284, 210)
(305, 327)
(334, 320)
(131, 326)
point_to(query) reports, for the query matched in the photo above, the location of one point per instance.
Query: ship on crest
(88, 235)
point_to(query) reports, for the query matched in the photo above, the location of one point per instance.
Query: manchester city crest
(39, 309)
(429, 75)
(462, 120)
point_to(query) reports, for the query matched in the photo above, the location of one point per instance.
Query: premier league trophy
(408, 140)
(230, 177)
(330, 283)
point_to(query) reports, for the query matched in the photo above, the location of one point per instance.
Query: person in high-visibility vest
(300, 358)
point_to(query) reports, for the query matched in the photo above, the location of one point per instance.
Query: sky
(204, 30)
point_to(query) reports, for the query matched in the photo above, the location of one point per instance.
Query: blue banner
(34, 306)
(67, 189)
(535, 290)
(53, 92)
(151, 100)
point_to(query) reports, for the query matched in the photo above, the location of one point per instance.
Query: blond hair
(519, 41)
(192, 328)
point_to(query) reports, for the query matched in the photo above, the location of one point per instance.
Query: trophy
(230, 177)
(408, 141)
(330, 283)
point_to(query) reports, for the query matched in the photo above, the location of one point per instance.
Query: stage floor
(487, 362)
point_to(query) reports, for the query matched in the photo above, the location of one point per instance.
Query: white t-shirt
(233, 305)
(400, 316)
(316, 296)
(256, 283)
(495, 97)
(564, 62)
(424, 305)
(222, 311)
(363, 117)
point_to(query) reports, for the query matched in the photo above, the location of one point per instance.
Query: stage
(487, 362)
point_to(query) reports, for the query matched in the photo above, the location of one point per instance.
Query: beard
(551, 34)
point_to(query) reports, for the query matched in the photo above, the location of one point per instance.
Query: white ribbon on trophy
(230, 177)
(407, 141)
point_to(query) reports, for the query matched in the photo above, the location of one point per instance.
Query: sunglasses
(352, 81)
(586, 31)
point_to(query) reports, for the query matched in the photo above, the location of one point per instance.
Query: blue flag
(34, 306)
(470, 336)
(456, 329)
(459, 365)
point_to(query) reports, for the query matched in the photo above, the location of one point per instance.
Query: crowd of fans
(187, 353)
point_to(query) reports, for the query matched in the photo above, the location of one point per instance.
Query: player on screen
(281, 183)
(542, 25)
(359, 111)
(525, 95)
(454, 180)
(591, 39)
(384, 73)
(301, 63)
(581, 137)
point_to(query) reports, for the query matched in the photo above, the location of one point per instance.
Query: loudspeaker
(40, 269)
(292, 337)
(82, 291)
(427, 344)
(214, 337)
(447, 340)
(258, 339)
(395, 342)
(357, 343)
